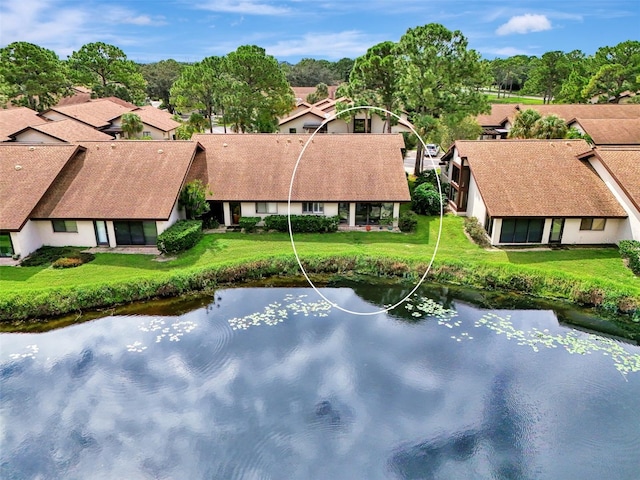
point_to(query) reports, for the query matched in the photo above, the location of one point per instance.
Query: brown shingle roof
(68, 131)
(97, 113)
(15, 119)
(302, 92)
(338, 167)
(624, 166)
(537, 178)
(133, 180)
(612, 131)
(311, 110)
(26, 172)
(501, 112)
(156, 118)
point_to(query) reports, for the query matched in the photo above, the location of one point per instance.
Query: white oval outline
(293, 244)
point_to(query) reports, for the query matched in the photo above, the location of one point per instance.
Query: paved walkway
(143, 250)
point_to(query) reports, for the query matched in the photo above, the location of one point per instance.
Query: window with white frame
(64, 226)
(593, 223)
(266, 207)
(313, 207)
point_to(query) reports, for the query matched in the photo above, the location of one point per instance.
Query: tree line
(572, 77)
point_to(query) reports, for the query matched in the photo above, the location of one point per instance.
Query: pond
(275, 383)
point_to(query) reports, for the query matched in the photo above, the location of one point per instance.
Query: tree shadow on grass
(564, 255)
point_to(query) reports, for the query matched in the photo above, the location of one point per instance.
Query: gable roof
(311, 111)
(157, 118)
(126, 180)
(624, 166)
(15, 119)
(502, 112)
(537, 178)
(96, 113)
(67, 131)
(611, 131)
(26, 173)
(338, 167)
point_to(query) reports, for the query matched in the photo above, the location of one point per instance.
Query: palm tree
(131, 125)
(524, 123)
(550, 126)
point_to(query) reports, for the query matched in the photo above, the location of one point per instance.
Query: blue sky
(189, 30)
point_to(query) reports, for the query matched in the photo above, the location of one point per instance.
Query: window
(64, 225)
(146, 134)
(521, 230)
(266, 207)
(372, 213)
(359, 125)
(455, 174)
(593, 223)
(293, 130)
(312, 207)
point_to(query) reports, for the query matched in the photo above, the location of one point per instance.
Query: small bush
(408, 221)
(210, 223)
(476, 232)
(248, 224)
(180, 236)
(302, 223)
(630, 249)
(65, 262)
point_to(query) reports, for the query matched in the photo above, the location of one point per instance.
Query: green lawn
(590, 264)
(514, 99)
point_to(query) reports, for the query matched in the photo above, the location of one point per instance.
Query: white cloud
(504, 51)
(350, 43)
(63, 30)
(525, 24)
(248, 7)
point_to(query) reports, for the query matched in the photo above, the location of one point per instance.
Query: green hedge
(180, 236)
(630, 249)
(302, 223)
(408, 221)
(248, 224)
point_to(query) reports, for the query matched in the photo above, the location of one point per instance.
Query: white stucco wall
(26, 240)
(573, 235)
(84, 237)
(33, 136)
(155, 133)
(630, 228)
(475, 204)
(176, 214)
(299, 122)
(248, 209)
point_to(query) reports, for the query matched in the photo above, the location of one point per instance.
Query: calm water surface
(274, 383)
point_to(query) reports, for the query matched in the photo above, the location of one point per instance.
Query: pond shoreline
(608, 300)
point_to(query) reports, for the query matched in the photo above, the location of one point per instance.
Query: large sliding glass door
(135, 233)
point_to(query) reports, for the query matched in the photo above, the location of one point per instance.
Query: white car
(432, 149)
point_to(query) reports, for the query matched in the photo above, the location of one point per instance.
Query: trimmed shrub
(476, 232)
(180, 236)
(302, 223)
(210, 223)
(46, 256)
(408, 221)
(248, 224)
(630, 249)
(65, 262)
